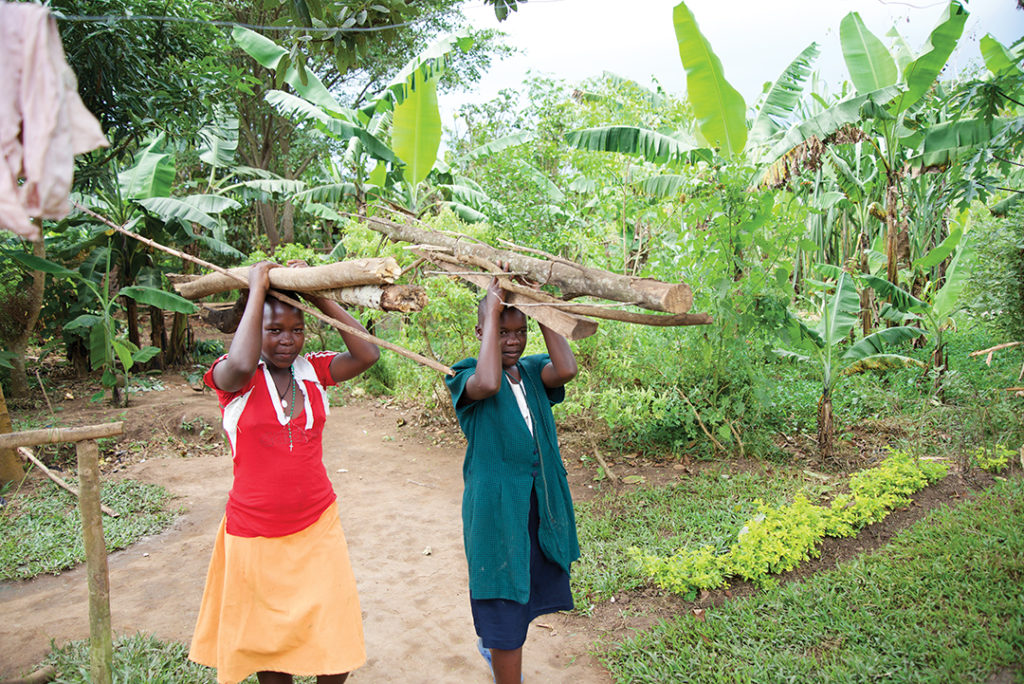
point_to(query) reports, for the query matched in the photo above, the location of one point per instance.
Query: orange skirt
(283, 604)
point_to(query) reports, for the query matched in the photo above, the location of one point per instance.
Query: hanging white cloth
(43, 122)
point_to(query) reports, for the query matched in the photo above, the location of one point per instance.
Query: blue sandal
(486, 654)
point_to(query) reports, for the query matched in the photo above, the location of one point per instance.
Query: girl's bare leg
(331, 679)
(507, 665)
(274, 678)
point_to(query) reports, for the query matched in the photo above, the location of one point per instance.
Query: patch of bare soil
(397, 472)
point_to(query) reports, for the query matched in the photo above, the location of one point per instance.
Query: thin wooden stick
(701, 422)
(600, 459)
(430, 363)
(26, 454)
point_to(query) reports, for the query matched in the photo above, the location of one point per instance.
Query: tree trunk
(826, 431)
(34, 304)
(157, 337)
(572, 279)
(268, 220)
(288, 223)
(131, 314)
(177, 351)
(10, 465)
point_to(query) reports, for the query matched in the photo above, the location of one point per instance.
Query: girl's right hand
(495, 297)
(259, 275)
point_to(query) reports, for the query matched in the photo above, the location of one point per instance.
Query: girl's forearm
(563, 367)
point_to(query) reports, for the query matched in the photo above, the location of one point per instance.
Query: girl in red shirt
(280, 597)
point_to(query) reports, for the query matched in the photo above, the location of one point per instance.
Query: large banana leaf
(40, 264)
(466, 213)
(666, 185)
(897, 296)
(551, 191)
(940, 252)
(331, 193)
(289, 105)
(639, 142)
(822, 125)
(281, 186)
(269, 54)
(877, 342)
(944, 143)
(717, 106)
(169, 208)
(922, 72)
(500, 144)
(423, 68)
(152, 175)
(783, 97)
(416, 130)
(870, 64)
(211, 204)
(220, 140)
(997, 58)
(161, 299)
(957, 274)
(839, 314)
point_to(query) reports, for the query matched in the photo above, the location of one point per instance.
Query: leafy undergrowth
(41, 530)
(139, 658)
(943, 602)
(705, 508)
(781, 537)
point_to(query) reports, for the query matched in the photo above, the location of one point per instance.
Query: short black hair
(287, 293)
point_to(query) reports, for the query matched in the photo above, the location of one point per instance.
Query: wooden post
(10, 466)
(101, 647)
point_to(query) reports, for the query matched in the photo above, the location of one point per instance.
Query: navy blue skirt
(502, 623)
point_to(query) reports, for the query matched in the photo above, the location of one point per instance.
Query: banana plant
(109, 349)
(936, 306)
(820, 345)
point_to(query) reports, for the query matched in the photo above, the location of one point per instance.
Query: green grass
(706, 508)
(139, 658)
(41, 532)
(943, 602)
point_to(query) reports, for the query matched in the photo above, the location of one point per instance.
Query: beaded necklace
(291, 409)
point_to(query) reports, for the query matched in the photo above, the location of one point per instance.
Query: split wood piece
(568, 325)
(673, 320)
(225, 316)
(28, 456)
(26, 438)
(600, 459)
(101, 646)
(401, 351)
(572, 279)
(40, 676)
(376, 271)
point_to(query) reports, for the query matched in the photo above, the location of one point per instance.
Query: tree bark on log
(444, 261)
(101, 646)
(225, 316)
(568, 325)
(572, 279)
(374, 271)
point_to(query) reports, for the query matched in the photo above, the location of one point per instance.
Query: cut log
(402, 298)
(40, 676)
(572, 279)
(225, 316)
(376, 271)
(448, 262)
(569, 326)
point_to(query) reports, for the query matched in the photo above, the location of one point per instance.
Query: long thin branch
(27, 455)
(430, 363)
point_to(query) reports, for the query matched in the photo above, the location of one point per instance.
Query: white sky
(755, 39)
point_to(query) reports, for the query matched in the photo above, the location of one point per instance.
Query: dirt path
(400, 500)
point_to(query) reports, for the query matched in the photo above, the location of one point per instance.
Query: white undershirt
(520, 394)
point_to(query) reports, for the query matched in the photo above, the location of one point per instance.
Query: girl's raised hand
(259, 275)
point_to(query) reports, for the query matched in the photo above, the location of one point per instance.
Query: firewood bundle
(367, 283)
(573, 320)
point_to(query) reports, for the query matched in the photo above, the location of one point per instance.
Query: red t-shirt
(279, 489)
